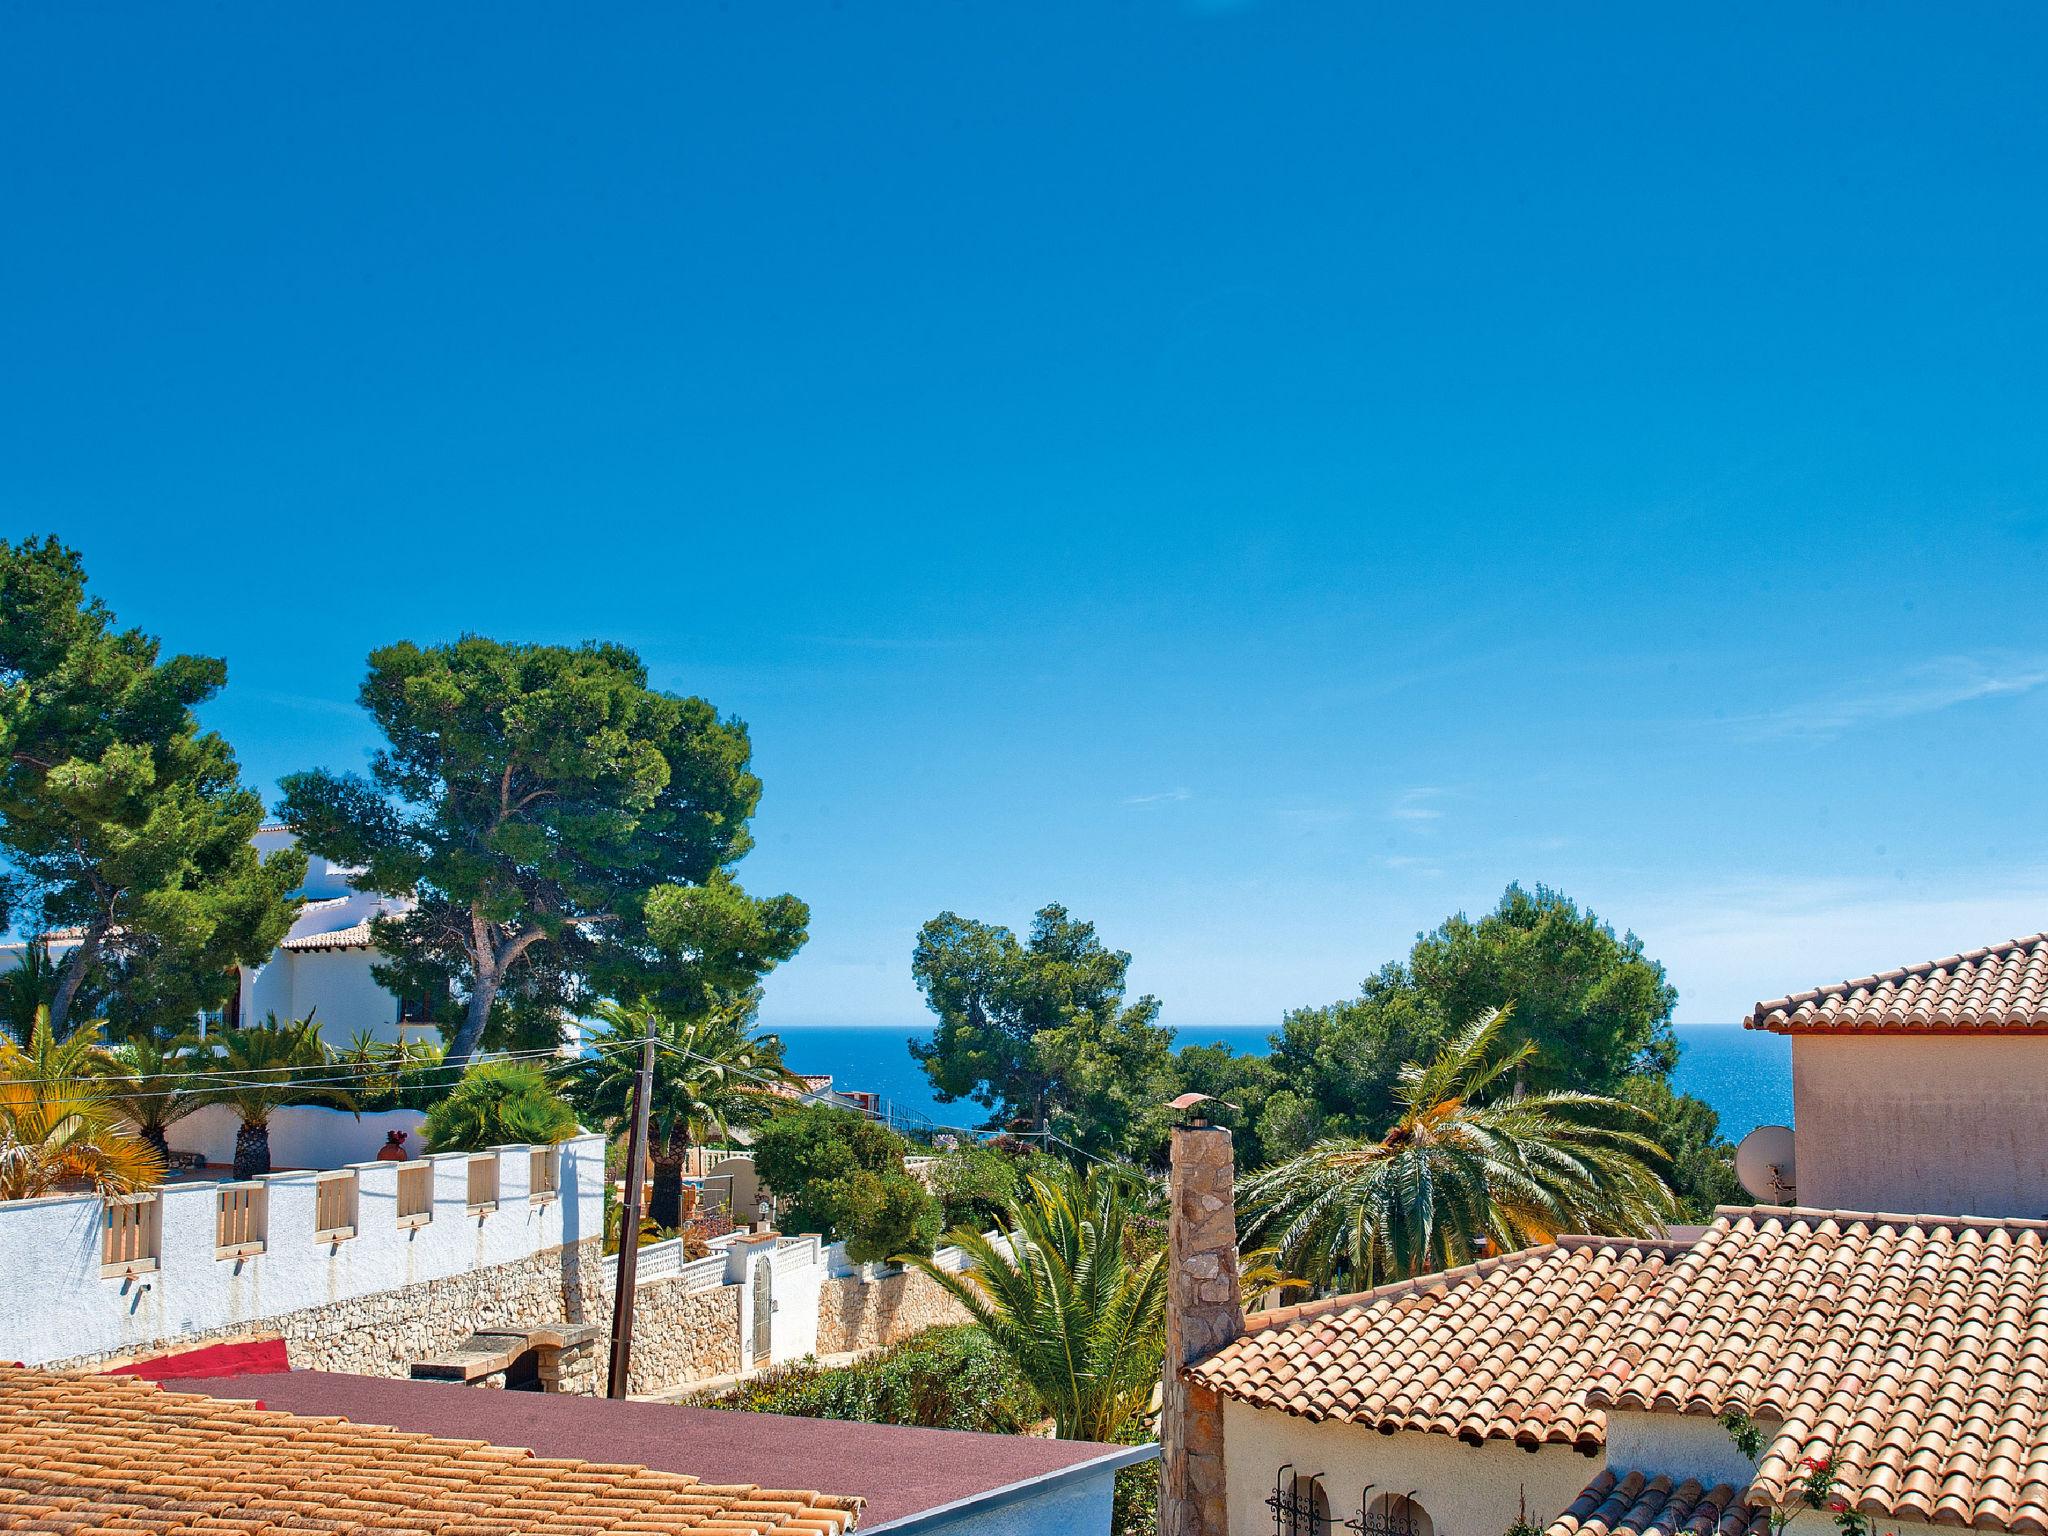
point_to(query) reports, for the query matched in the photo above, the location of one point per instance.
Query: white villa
(1578, 1385)
(322, 967)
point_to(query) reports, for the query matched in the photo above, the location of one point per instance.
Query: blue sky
(1263, 474)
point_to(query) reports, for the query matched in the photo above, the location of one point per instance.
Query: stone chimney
(1204, 1311)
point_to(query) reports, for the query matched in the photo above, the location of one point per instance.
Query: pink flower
(1838, 1505)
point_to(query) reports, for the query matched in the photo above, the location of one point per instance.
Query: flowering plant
(1818, 1489)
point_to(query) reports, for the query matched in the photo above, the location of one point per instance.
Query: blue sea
(1745, 1075)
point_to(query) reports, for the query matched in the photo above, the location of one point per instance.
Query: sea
(1744, 1074)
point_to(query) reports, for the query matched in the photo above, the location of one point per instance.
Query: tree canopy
(1466, 1158)
(1591, 1008)
(843, 1175)
(567, 832)
(119, 817)
(1594, 1008)
(1038, 1031)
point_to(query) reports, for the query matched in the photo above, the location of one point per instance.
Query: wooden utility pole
(629, 1225)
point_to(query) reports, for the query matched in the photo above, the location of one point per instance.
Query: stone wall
(857, 1314)
(680, 1335)
(384, 1333)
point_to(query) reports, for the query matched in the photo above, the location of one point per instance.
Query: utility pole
(629, 1225)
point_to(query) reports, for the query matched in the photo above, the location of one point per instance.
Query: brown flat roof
(898, 1471)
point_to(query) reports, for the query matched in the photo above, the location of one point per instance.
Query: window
(131, 1239)
(415, 1194)
(1300, 1504)
(424, 1006)
(483, 1182)
(240, 1219)
(546, 1180)
(1393, 1514)
(334, 1207)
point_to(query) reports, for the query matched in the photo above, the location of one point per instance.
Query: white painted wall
(1466, 1490)
(1922, 1123)
(799, 1284)
(54, 1304)
(1678, 1444)
(1075, 1505)
(333, 985)
(301, 1135)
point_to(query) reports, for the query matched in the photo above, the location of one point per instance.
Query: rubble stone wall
(857, 1314)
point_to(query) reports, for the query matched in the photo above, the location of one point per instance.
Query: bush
(842, 1176)
(943, 1378)
(974, 1186)
(497, 1103)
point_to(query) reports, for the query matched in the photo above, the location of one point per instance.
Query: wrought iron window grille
(1395, 1516)
(1300, 1508)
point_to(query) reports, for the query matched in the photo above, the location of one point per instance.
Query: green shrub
(943, 1378)
(974, 1186)
(499, 1103)
(842, 1176)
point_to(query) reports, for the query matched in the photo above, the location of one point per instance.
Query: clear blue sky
(1263, 474)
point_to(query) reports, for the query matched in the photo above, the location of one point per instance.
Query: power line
(335, 1073)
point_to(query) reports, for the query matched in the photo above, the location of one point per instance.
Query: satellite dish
(1766, 1165)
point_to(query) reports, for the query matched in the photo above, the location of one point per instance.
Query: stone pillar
(1204, 1311)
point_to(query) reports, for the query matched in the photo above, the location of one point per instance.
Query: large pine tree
(119, 817)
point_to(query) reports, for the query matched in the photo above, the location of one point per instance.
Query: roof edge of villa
(1443, 1279)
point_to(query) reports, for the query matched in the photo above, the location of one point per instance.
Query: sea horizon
(1745, 1075)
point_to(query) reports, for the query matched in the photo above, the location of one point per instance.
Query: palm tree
(1467, 1161)
(264, 1068)
(499, 1103)
(30, 986)
(1073, 1303)
(155, 1084)
(710, 1074)
(58, 1121)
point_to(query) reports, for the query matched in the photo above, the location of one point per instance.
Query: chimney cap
(1187, 1105)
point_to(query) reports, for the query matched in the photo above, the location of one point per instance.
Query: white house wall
(1680, 1445)
(333, 985)
(1072, 1506)
(1922, 1123)
(1466, 1490)
(55, 1305)
(301, 1135)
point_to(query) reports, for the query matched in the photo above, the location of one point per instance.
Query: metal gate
(764, 1309)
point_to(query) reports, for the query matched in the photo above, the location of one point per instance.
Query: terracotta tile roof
(355, 936)
(1631, 1504)
(1496, 1350)
(2002, 987)
(83, 1454)
(1913, 1349)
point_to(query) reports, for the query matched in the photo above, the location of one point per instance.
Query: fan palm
(499, 1103)
(59, 1122)
(710, 1074)
(261, 1069)
(1079, 1311)
(155, 1084)
(1465, 1161)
